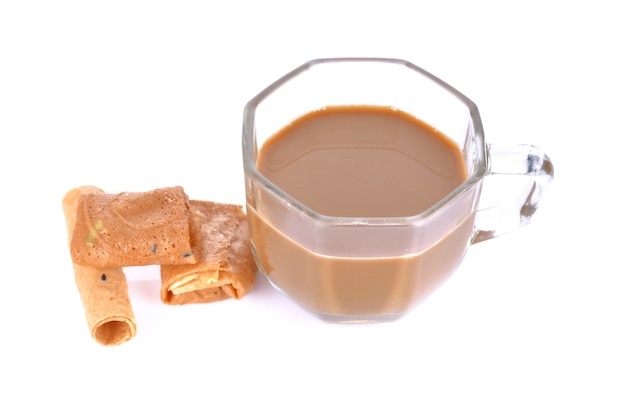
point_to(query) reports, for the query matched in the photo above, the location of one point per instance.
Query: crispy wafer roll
(132, 229)
(104, 292)
(225, 268)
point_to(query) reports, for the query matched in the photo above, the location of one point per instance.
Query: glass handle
(517, 176)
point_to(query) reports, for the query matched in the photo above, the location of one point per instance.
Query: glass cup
(355, 269)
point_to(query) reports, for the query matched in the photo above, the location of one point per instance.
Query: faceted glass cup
(353, 269)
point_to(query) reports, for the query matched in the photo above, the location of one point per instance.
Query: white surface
(131, 95)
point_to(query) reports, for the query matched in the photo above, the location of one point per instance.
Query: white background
(130, 96)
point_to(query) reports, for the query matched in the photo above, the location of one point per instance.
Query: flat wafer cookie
(132, 229)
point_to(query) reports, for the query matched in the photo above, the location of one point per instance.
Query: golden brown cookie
(132, 229)
(225, 268)
(103, 292)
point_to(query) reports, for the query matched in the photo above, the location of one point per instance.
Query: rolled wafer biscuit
(103, 292)
(132, 229)
(225, 268)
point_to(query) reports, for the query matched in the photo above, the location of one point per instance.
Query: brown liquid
(360, 161)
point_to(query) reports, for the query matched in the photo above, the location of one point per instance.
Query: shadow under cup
(346, 269)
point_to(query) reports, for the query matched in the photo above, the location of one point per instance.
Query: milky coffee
(360, 161)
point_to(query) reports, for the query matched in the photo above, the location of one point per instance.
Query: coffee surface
(362, 161)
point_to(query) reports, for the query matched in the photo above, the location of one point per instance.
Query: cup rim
(249, 148)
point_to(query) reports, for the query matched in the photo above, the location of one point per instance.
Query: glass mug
(361, 269)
